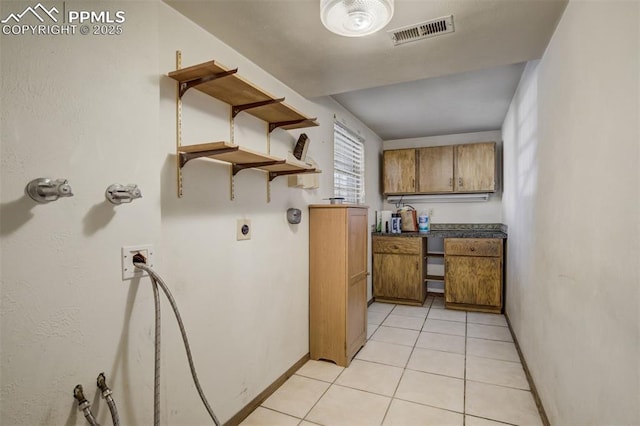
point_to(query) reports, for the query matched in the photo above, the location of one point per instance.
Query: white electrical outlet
(129, 271)
(243, 231)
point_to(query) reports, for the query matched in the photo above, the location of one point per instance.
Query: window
(348, 165)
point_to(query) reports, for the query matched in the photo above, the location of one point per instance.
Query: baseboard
(370, 302)
(532, 385)
(255, 403)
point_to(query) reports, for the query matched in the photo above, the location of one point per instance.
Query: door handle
(459, 181)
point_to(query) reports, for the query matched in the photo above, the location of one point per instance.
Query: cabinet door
(356, 297)
(396, 276)
(435, 169)
(399, 171)
(475, 167)
(473, 280)
(356, 316)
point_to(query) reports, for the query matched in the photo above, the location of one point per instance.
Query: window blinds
(348, 165)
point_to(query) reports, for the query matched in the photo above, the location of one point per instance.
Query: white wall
(465, 212)
(571, 201)
(100, 110)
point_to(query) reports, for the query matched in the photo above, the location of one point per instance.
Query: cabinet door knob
(459, 181)
(472, 249)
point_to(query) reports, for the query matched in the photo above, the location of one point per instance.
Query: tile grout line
(277, 411)
(404, 369)
(464, 394)
(321, 396)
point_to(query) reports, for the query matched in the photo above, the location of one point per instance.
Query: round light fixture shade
(355, 18)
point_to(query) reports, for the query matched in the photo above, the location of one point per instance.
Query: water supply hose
(157, 280)
(84, 406)
(106, 394)
(156, 363)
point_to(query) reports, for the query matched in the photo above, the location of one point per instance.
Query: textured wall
(571, 201)
(99, 110)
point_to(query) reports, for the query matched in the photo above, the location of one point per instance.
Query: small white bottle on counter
(423, 222)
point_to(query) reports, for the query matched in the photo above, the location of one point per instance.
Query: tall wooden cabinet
(337, 281)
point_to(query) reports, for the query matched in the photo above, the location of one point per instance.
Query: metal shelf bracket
(237, 109)
(184, 86)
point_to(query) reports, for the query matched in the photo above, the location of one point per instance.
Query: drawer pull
(472, 249)
(395, 247)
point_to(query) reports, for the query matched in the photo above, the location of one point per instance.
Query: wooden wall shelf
(225, 85)
(242, 158)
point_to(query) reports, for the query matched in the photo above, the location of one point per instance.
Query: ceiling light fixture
(355, 18)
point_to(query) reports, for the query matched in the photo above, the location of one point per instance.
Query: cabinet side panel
(327, 281)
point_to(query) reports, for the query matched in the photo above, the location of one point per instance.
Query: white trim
(441, 198)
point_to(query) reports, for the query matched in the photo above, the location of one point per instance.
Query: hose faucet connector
(118, 194)
(45, 190)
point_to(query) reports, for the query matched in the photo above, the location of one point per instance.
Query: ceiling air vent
(423, 30)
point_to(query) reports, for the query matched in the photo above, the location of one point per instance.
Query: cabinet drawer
(397, 245)
(473, 247)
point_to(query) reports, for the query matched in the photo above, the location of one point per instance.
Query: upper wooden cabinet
(475, 167)
(435, 169)
(399, 171)
(440, 169)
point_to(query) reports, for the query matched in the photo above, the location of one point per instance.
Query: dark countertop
(456, 230)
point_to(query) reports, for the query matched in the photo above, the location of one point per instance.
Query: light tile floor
(420, 366)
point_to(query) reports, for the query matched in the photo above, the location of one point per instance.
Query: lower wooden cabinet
(473, 274)
(399, 270)
(338, 236)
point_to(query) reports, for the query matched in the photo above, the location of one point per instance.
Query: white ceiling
(453, 83)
